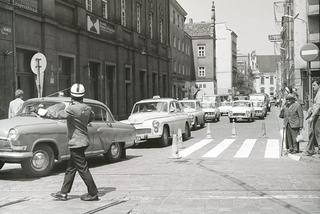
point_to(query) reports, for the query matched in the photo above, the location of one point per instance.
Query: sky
(251, 20)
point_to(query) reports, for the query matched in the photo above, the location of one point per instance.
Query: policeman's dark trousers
(291, 135)
(77, 162)
(314, 135)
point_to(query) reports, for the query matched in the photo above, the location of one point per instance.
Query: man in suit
(293, 122)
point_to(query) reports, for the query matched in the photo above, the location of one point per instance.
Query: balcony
(313, 10)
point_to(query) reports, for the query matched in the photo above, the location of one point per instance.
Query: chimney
(191, 21)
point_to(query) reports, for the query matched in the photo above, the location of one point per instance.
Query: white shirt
(14, 107)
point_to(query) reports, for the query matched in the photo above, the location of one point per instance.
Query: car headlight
(13, 134)
(155, 124)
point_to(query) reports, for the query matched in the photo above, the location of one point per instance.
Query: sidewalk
(302, 145)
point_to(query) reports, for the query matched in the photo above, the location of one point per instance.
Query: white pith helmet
(77, 90)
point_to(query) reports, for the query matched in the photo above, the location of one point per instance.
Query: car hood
(258, 108)
(141, 117)
(189, 110)
(240, 109)
(16, 122)
(209, 110)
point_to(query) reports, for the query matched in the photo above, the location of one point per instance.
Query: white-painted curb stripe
(246, 148)
(272, 149)
(216, 151)
(194, 147)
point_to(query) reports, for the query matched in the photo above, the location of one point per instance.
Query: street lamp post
(308, 62)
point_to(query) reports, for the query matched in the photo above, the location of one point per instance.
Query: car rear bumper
(14, 157)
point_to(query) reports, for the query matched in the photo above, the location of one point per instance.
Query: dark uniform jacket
(293, 115)
(78, 117)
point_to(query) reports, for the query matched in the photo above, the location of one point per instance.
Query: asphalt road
(218, 173)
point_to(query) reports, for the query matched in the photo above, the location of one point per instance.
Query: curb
(314, 158)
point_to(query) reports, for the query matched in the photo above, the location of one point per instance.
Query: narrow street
(203, 181)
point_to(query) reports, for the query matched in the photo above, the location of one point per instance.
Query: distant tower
(213, 28)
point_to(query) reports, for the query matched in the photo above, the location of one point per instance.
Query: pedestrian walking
(78, 116)
(293, 123)
(16, 104)
(313, 117)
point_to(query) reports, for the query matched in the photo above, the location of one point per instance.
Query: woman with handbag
(293, 122)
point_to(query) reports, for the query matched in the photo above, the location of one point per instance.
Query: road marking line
(217, 150)
(245, 149)
(194, 147)
(272, 149)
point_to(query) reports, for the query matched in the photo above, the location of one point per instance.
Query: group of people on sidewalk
(293, 119)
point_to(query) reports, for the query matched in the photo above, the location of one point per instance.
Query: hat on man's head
(290, 97)
(18, 93)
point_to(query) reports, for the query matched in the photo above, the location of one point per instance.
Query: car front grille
(239, 114)
(143, 131)
(4, 144)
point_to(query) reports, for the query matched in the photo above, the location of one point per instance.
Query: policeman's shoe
(60, 196)
(88, 197)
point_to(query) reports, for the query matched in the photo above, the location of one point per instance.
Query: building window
(178, 44)
(174, 17)
(271, 80)
(202, 72)
(183, 70)
(123, 13)
(262, 80)
(138, 17)
(174, 41)
(150, 25)
(204, 85)
(175, 67)
(104, 4)
(161, 30)
(89, 5)
(201, 51)
(262, 90)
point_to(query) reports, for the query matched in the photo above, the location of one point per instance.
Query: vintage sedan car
(158, 119)
(241, 109)
(260, 109)
(211, 111)
(194, 110)
(37, 142)
(225, 107)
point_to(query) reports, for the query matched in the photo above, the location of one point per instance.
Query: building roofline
(179, 7)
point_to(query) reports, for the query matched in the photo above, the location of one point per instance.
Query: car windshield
(31, 108)
(208, 105)
(188, 105)
(225, 104)
(150, 107)
(245, 104)
(257, 104)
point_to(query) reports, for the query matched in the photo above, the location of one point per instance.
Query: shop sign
(31, 5)
(5, 30)
(93, 24)
(106, 27)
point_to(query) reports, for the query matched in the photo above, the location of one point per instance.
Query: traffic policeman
(78, 116)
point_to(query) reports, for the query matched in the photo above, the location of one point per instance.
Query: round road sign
(38, 63)
(309, 52)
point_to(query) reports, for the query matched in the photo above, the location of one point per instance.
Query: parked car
(261, 97)
(241, 109)
(159, 118)
(260, 109)
(37, 142)
(225, 107)
(211, 111)
(194, 110)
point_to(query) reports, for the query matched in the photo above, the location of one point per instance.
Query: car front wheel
(187, 132)
(1, 164)
(115, 152)
(41, 162)
(164, 140)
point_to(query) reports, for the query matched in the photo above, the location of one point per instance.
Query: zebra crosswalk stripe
(272, 149)
(217, 150)
(246, 148)
(194, 147)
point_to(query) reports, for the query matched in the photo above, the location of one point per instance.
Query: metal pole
(309, 80)
(14, 73)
